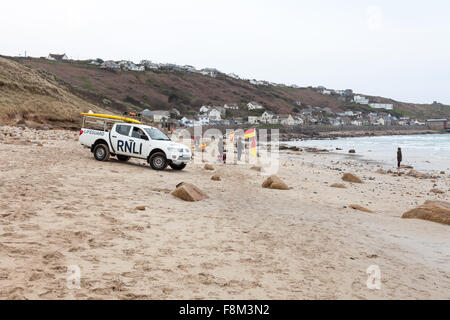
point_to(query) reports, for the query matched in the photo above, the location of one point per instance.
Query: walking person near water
(399, 157)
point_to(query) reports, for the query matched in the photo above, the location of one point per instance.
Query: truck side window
(138, 133)
(123, 129)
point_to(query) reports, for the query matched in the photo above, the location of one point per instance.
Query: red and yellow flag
(250, 133)
(253, 147)
(232, 138)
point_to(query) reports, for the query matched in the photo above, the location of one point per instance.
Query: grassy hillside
(31, 97)
(166, 89)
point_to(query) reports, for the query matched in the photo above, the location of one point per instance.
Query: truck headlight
(174, 149)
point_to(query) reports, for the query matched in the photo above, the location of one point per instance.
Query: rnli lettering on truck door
(128, 147)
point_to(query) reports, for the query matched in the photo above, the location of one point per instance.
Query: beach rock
(436, 211)
(352, 151)
(189, 192)
(209, 167)
(273, 182)
(216, 177)
(351, 178)
(417, 174)
(442, 172)
(360, 208)
(437, 191)
(256, 168)
(141, 208)
(338, 185)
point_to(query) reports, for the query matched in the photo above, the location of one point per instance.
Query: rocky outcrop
(360, 208)
(436, 211)
(273, 182)
(417, 174)
(189, 192)
(338, 185)
(349, 177)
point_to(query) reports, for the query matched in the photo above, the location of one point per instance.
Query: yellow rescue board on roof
(107, 116)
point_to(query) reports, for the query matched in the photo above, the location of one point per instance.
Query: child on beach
(399, 157)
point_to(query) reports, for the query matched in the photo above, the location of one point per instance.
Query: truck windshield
(156, 134)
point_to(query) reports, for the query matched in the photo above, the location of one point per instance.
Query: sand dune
(59, 207)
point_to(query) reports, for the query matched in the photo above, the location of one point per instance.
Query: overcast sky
(398, 49)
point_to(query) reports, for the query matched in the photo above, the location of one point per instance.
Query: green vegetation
(85, 84)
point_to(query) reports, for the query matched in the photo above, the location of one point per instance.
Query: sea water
(428, 152)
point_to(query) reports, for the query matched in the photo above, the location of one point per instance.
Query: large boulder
(417, 174)
(189, 192)
(436, 211)
(273, 182)
(349, 177)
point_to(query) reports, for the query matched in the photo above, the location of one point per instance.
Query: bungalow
(266, 117)
(204, 109)
(109, 65)
(57, 57)
(298, 121)
(286, 120)
(326, 92)
(233, 75)
(253, 119)
(360, 100)
(158, 115)
(231, 106)
(214, 115)
(209, 72)
(254, 106)
(150, 65)
(387, 106)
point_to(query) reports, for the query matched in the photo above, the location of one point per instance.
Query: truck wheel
(101, 152)
(177, 166)
(123, 158)
(158, 161)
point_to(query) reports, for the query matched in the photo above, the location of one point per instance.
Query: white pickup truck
(132, 140)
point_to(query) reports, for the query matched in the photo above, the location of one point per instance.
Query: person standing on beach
(399, 157)
(220, 149)
(240, 147)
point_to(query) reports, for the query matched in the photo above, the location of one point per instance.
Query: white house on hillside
(109, 65)
(215, 115)
(231, 106)
(286, 119)
(266, 117)
(387, 106)
(361, 100)
(57, 57)
(253, 119)
(204, 109)
(254, 106)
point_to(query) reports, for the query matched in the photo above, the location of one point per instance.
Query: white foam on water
(430, 152)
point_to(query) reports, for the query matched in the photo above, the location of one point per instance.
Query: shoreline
(286, 137)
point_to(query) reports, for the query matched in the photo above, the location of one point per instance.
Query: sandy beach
(59, 208)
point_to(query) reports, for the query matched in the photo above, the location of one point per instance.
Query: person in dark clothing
(220, 148)
(399, 157)
(240, 147)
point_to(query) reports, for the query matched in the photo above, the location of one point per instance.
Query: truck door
(140, 143)
(121, 140)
